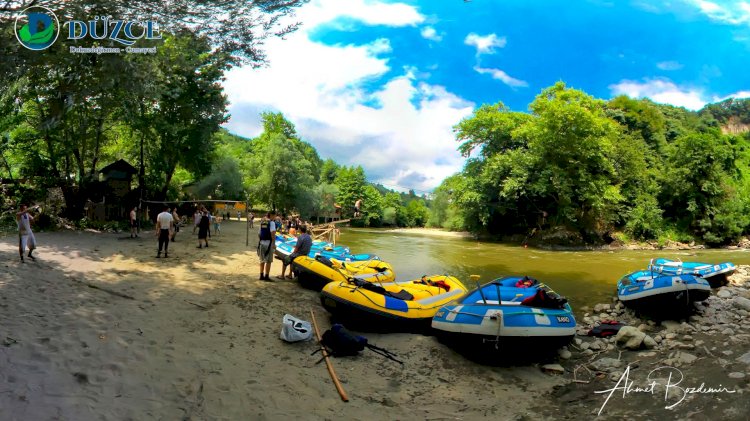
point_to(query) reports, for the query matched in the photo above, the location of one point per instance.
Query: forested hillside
(596, 168)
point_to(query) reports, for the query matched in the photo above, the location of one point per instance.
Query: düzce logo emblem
(37, 28)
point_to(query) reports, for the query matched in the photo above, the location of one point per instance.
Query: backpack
(340, 342)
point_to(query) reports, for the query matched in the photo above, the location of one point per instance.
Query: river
(584, 277)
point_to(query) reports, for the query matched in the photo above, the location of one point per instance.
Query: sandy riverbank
(196, 336)
(200, 340)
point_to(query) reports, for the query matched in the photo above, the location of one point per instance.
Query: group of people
(269, 224)
(168, 224)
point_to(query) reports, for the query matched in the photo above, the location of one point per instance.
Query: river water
(584, 277)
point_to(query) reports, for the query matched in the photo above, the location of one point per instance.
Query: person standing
(266, 242)
(25, 235)
(302, 248)
(250, 217)
(164, 222)
(196, 219)
(204, 226)
(216, 220)
(133, 222)
(239, 215)
(176, 223)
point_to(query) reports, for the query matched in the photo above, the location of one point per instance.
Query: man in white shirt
(25, 236)
(164, 230)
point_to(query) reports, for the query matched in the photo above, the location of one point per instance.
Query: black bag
(340, 342)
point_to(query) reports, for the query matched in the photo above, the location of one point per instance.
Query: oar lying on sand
(328, 361)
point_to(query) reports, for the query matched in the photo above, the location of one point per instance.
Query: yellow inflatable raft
(410, 304)
(316, 272)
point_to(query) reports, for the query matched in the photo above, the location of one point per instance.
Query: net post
(247, 224)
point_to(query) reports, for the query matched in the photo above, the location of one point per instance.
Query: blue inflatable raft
(509, 309)
(653, 292)
(716, 275)
(285, 247)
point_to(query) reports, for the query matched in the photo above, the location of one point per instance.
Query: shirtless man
(25, 236)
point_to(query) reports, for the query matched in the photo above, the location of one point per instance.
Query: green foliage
(645, 170)
(282, 178)
(644, 220)
(224, 182)
(329, 171)
(490, 128)
(417, 213)
(351, 183)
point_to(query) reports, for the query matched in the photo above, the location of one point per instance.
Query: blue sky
(381, 83)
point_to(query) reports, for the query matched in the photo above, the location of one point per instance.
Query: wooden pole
(335, 379)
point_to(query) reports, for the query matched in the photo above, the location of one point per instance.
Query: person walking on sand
(304, 243)
(266, 242)
(25, 235)
(204, 226)
(133, 223)
(164, 223)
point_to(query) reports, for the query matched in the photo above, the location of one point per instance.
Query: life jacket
(526, 282)
(265, 230)
(544, 299)
(606, 328)
(439, 284)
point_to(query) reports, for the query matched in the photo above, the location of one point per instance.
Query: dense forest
(593, 171)
(573, 166)
(64, 116)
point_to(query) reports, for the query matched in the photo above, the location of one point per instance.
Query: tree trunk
(142, 169)
(97, 146)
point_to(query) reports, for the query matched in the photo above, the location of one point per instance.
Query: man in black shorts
(304, 243)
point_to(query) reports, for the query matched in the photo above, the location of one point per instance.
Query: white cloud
(428, 32)
(736, 95)
(669, 65)
(661, 90)
(485, 44)
(502, 76)
(370, 12)
(665, 91)
(731, 11)
(400, 132)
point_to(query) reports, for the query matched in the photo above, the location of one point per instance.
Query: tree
(350, 182)
(329, 171)
(417, 213)
(699, 183)
(191, 107)
(224, 181)
(235, 27)
(283, 179)
(372, 206)
(490, 128)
